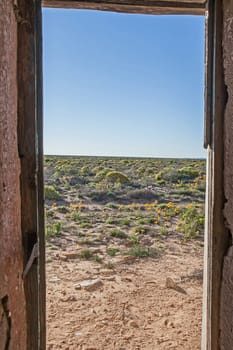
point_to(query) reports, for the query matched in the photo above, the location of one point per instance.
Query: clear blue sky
(123, 85)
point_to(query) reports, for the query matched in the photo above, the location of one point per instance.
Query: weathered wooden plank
(12, 298)
(226, 321)
(217, 238)
(209, 65)
(131, 6)
(40, 178)
(27, 129)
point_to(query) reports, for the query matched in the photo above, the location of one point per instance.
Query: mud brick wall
(12, 300)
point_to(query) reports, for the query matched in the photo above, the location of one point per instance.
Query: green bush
(117, 176)
(191, 221)
(100, 175)
(172, 175)
(124, 222)
(189, 172)
(112, 251)
(86, 254)
(51, 193)
(62, 209)
(53, 229)
(118, 233)
(142, 252)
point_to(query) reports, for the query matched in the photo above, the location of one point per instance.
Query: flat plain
(124, 252)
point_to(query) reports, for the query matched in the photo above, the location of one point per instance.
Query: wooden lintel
(160, 7)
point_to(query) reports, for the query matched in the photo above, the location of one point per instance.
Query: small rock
(132, 323)
(173, 285)
(77, 287)
(91, 285)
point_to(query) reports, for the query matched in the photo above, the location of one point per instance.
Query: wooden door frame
(30, 139)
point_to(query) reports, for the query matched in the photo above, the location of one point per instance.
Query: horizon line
(114, 156)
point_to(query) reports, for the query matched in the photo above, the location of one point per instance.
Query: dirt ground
(124, 253)
(147, 304)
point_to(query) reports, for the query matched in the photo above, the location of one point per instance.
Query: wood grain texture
(40, 178)
(12, 298)
(217, 238)
(131, 6)
(28, 157)
(220, 237)
(226, 320)
(209, 65)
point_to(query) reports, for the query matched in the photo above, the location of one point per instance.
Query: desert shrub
(100, 175)
(85, 225)
(62, 209)
(85, 170)
(118, 233)
(141, 229)
(86, 254)
(159, 178)
(98, 259)
(110, 220)
(117, 176)
(141, 221)
(189, 172)
(141, 170)
(124, 222)
(162, 230)
(191, 221)
(74, 216)
(49, 213)
(53, 229)
(134, 239)
(149, 171)
(142, 252)
(112, 251)
(97, 169)
(51, 193)
(174, 175)
(192, 192)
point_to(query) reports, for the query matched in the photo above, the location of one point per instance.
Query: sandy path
(131, 307)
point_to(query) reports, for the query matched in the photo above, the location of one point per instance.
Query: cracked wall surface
(12, 299)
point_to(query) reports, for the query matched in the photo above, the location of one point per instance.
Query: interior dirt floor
(146, 304)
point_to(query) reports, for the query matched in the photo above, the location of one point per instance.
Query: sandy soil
(145, 304)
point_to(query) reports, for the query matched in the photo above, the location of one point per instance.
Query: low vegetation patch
(117, 206)
(118, 233)
(142, 252)
(51, 193)
(117, 176)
